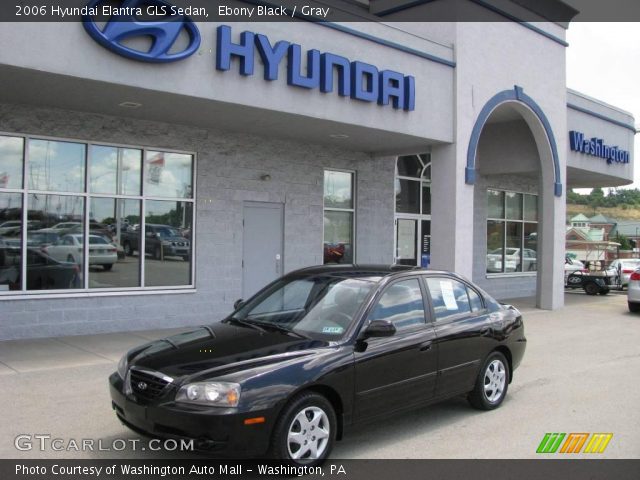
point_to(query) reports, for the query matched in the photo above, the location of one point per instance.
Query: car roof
(363, 270)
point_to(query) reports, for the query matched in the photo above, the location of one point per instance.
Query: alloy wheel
(308, 434)
(495, 378)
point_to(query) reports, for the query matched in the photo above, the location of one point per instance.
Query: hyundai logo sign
(124, 25)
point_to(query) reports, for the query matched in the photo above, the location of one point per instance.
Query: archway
(513, 163)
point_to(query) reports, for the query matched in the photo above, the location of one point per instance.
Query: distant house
(588, 239)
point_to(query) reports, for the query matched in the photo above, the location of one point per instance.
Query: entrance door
(413, 241)
(262, 252)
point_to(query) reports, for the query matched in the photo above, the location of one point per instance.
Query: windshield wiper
(275, 326)
(244, 323)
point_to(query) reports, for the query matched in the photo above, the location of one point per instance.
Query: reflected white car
(70, 249)
(625, 267)
(511, 260)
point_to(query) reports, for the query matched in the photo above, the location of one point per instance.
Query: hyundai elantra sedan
(316, 352)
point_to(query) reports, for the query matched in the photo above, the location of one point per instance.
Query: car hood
(174, 239)
(220, 349)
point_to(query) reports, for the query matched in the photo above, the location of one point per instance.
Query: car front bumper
(214, 430)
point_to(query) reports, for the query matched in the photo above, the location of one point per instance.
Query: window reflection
(10, 240)
(338, 189)
(168, 174)
(338, 237)
(11, 162)
(113, 239)
(55, 229)
(56, 166)
(401, 304)
(115, 170)
(168, 243)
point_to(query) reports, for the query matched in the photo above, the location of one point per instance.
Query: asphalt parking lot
(580, 374)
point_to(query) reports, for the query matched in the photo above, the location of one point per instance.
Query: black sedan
(318, 351)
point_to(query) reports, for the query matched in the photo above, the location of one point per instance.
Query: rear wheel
(492, 383)
(108, 266)
(306, 430)
(591, 288)
(634, 307)
(128, 251)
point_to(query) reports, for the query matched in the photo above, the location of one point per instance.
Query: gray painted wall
(229, 169)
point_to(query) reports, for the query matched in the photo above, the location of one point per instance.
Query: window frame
(351, 210)
(87, 195)
(505, 221)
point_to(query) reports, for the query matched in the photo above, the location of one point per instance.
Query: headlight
(218, 394)
(122, 367)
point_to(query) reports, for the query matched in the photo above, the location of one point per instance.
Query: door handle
(426, 346)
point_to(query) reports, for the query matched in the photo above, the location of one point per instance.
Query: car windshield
(94, 240)
(319, 307)
(166, 232)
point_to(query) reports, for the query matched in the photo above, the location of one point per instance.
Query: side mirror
(151, 235)
(379, 328)
(237, 304)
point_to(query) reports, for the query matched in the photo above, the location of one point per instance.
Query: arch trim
(515, 95)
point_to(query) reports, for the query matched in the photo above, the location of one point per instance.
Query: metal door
(262, 251)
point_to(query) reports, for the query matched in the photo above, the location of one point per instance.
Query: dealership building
(232, 153)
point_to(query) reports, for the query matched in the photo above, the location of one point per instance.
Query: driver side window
(401, 304)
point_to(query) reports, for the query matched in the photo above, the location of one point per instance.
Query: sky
(603, 61)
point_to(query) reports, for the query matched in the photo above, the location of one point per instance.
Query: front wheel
(634, 307)
(306, 430)
(492, 383)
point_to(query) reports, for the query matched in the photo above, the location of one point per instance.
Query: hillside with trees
(623, 204)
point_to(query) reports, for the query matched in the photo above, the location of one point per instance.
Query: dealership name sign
(323, 71)
(597, 148)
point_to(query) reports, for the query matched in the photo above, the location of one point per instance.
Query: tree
(623, 240)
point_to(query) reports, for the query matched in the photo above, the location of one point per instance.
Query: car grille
(148, 384)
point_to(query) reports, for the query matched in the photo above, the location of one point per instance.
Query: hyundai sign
(357, 80)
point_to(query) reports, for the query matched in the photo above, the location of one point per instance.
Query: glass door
(406, 238)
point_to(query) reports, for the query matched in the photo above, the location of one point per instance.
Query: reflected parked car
(43, 272)
(511, 260)
(70, 248)
(624, 267)
(160, 241)
(317, 352)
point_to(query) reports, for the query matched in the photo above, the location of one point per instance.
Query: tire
(634, 307)
(128, 251)
(108, 267)
(591, 288)
(292, 424)
(492, 383)
(185, 258)
(604, 291)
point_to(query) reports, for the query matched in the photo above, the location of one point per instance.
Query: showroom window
(512, 232)
(339, 216)
(413, 210)
(85, 206)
